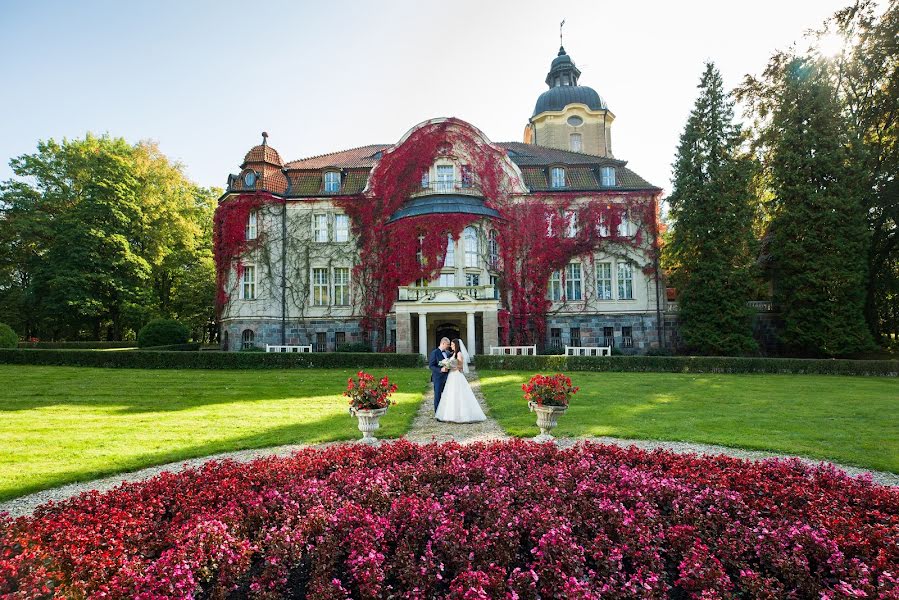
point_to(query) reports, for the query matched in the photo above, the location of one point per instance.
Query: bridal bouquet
(448, 363)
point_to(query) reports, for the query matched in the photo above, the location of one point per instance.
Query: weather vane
(560, 32)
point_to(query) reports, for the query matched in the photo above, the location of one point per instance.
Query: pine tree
(819, 233)
(712, 242)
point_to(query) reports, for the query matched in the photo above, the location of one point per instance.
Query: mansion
(550, 241)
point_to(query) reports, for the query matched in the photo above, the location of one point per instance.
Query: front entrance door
(448, 330)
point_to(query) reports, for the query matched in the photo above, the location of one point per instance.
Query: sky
(205, 78)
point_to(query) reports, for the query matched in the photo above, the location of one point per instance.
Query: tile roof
(530, 154)
(262, 153)
(363, 156)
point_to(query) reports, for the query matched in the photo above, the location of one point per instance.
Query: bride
(457, 403)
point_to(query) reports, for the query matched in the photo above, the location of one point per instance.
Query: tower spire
(561, 45)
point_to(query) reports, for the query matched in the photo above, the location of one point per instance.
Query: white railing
(514, 350)
(476, 292)
(288, 348)
(588, 351)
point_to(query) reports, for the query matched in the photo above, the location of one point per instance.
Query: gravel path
(425, 429)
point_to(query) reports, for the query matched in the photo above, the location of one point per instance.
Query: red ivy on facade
(533, 236)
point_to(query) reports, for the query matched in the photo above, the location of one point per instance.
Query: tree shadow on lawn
(173, 390)
(332, 428)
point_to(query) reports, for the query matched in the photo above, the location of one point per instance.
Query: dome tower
(569, 116)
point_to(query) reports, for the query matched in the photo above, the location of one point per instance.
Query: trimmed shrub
(153, 359)
(189, 347)
(8, 337)
(162, 332)
(690, 364)
(353, 347)
(511, 519)
(96, 345)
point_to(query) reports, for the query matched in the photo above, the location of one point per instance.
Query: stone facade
(593, 330)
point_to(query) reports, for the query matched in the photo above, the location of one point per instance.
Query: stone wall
(644, 333)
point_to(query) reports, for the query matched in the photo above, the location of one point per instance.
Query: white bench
(288, 348)
(514, 350)
(588, 351)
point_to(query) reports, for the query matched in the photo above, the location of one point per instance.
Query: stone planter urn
(547, 419)
(368, 422)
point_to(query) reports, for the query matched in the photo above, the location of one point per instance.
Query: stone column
(423, 334)
(403, 332)
(491, 330)
(470, 343)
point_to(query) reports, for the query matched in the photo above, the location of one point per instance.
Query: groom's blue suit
(437, 376)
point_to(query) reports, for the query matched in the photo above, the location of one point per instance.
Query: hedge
(151, 359)
(691, 364)
(162, 332)
(188, 347)
(96, 345)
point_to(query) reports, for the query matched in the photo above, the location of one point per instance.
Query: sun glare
(830, 44)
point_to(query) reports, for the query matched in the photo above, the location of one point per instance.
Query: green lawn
(851, 420)
(64, 424)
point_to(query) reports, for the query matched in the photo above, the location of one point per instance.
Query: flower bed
(508, 519)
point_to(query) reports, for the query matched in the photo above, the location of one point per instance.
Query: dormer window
(557, 179)
(575, 142)
(608, 176)
(332, 182)
(249, 179)
(251, 225)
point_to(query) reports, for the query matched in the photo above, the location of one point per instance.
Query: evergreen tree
(819, 235)
(711, 245)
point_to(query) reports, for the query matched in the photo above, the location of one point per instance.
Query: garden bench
(514, 350)
(288, 348)
(588, 351)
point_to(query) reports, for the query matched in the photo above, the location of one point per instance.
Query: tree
(819, 235)
(711, 244)
(95, 234)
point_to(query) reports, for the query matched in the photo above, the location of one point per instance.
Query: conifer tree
(819, 235)
(711, 245)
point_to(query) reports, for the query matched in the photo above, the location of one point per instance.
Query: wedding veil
(465, 357)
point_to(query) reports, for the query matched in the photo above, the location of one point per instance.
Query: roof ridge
(587, 154)
(336, 152)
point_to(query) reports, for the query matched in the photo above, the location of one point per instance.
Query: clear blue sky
(204, 78)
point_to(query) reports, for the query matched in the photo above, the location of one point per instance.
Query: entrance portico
(446, 312)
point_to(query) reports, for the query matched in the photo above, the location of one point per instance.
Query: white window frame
(341, 293)
(557, 178)
(608, 176)
(472, 279)
(320, 290)
(555, 286)
(450, 260)
(576, 142)
(470, 237)
(248, 283)
(332, 182)
(570, 218)
(446, 279)
(341, 227)
(444, 184)
(319, 235)
(625, 280)
(574, 288)
(604, 281)
(493, 247)
(252, 229)
(624, 226)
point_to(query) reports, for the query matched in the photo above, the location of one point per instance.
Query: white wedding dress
(457, 403)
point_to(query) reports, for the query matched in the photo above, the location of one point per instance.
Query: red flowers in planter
(549, 390)
(367, 394)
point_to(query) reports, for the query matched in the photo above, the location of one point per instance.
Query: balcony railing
(414, 293)
(459, 186)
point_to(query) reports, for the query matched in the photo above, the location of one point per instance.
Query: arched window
(332, 182)
(575, 142)
(450, 260)
(251, 225)
(471, 247)
(558, 177)
(493, 247)
(248, 339)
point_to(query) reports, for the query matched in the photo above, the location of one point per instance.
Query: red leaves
(483, 520)
(546, 390)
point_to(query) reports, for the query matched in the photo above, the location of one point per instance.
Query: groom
(438, 374)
